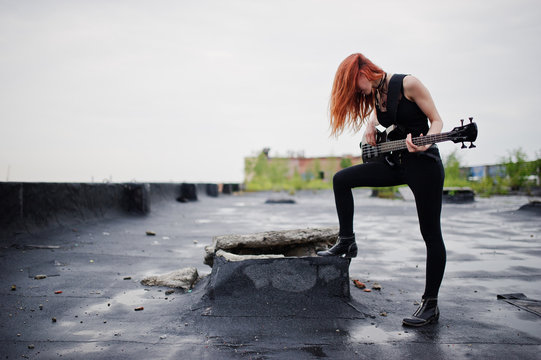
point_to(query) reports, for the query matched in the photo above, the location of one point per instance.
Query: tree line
(517, 174)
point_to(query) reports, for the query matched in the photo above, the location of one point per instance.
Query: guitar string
(369, 150)
(425, 140)
(401, 144)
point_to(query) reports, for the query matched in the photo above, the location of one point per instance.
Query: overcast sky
(184, 90)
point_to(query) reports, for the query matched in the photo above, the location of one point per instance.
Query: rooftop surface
(493, 249)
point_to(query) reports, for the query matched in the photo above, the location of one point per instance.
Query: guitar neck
(396, 145)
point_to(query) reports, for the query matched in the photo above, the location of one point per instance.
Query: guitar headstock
(464, 133)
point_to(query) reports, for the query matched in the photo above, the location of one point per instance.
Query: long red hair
(348, 106)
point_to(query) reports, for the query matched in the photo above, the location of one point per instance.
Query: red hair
(348, 106)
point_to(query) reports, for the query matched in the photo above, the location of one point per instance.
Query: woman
(359, 88)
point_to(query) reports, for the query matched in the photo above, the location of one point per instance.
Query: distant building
(476, 173)
(307, 168)
(320, 167)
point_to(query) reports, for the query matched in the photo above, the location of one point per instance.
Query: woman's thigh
(372, 174)
(425, 175)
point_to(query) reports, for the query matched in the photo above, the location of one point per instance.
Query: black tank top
(402, 112)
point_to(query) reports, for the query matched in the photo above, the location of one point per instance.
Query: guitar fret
(419, 141)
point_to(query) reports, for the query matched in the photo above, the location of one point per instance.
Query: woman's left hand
(414, 148)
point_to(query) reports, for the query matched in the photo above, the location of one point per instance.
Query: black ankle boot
(426, 313)
(344, 246)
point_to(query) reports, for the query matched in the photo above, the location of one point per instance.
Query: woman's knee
(339, 179)
(433, 239)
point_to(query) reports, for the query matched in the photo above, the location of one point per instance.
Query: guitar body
(371, 153)
(393, 140)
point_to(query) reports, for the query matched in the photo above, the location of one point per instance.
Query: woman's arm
(415, 91)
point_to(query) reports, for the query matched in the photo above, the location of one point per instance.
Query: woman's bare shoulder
(411, 81)
(413, 86)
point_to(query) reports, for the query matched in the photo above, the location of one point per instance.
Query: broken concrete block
(233, 257)
(183, 278)
(289, 243)
(276, 263)
(278, 277)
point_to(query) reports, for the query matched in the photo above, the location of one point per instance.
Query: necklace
(382, 92)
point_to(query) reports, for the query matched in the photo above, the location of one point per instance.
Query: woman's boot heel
(427, 313)
(345, 246)
(352, 251)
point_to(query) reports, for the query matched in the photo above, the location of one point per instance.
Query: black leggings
(424, 174)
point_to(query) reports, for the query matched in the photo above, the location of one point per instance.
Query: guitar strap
(393, 97)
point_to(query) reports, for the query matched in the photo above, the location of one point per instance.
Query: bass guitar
(385, 146)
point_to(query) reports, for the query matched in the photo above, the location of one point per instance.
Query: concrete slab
(279, 278)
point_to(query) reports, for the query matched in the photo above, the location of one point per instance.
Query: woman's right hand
(370, 133)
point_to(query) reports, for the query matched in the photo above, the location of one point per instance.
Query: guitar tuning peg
(471, 119)
(472, 146)
(463, 146)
